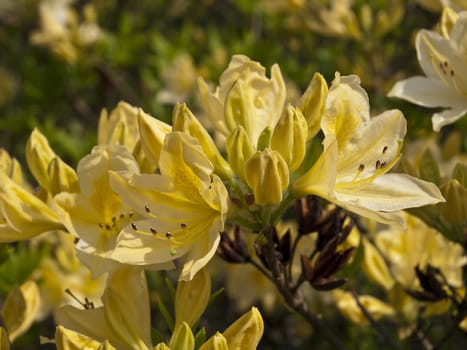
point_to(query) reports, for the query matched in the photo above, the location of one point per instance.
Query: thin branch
(295, 300)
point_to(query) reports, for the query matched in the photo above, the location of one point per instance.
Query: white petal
(393, 192)
(448, 116)
(424, 92)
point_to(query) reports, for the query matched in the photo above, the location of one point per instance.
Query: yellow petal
(246, 332)
(182, 338)
(38, 156)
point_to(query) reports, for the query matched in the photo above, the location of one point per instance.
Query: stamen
(107, 227)
(383, 164)
(146, 208)
(183, 225)
(168, 235)
(385, 148)
(153, 230)
(122, 216)
(87, 303)
(133, 226)
(378, 164)
(361, 167)
(130, 214)
(101, 225)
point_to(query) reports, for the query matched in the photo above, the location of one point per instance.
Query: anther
(383, 164)
(153, 230)
(146, 208)
(452, 73)
(183, 225)
(121, 216)
(378, 164)
(101, 225)
(130, 214)
(168, 235)
(361, 167)
(445, 63)
(133, 226)
(385, 148)
(107, 227)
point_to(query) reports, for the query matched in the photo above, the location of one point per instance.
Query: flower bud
(120, 128)
(184, 120)
(313, 102)
(62, 177)
(182, 338)
(11, 167)
(289, 137)
(239, 150)
(67, 339)
(216, 342)
(152, 132)
(192, 298)
(266, 172)
(246, 332)
(20, 308)
(38, 156)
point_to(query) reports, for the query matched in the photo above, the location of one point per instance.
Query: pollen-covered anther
(101, 225)
(378, 164)
(107, 227)
(183, 225)
(361, 167)
(153, 230)
(385, 148)
(168, 235)
(146, 209)
(133, 226)
(121, 216)
(382, 164)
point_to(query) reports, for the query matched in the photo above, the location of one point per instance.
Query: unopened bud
(62, 177)
(184, 120)
(246, 332)
(313, 102)
(192, 298)
(38, 156)
(239, 150)
(267, 173)
(290, 136)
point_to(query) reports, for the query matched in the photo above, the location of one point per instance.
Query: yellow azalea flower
(96, 214)
(123, 320)
(420, 245)
(348, 306)
(358, 152)
(66, 339)
(442, 59)
(245, 97)
(23, 215)
(19, 309)
(183, 209)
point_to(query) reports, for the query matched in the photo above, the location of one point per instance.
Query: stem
(294, 299)
(284, 205)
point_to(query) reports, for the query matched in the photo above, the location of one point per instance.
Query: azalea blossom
(358, 152)
(182, 209)
(443, 60)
